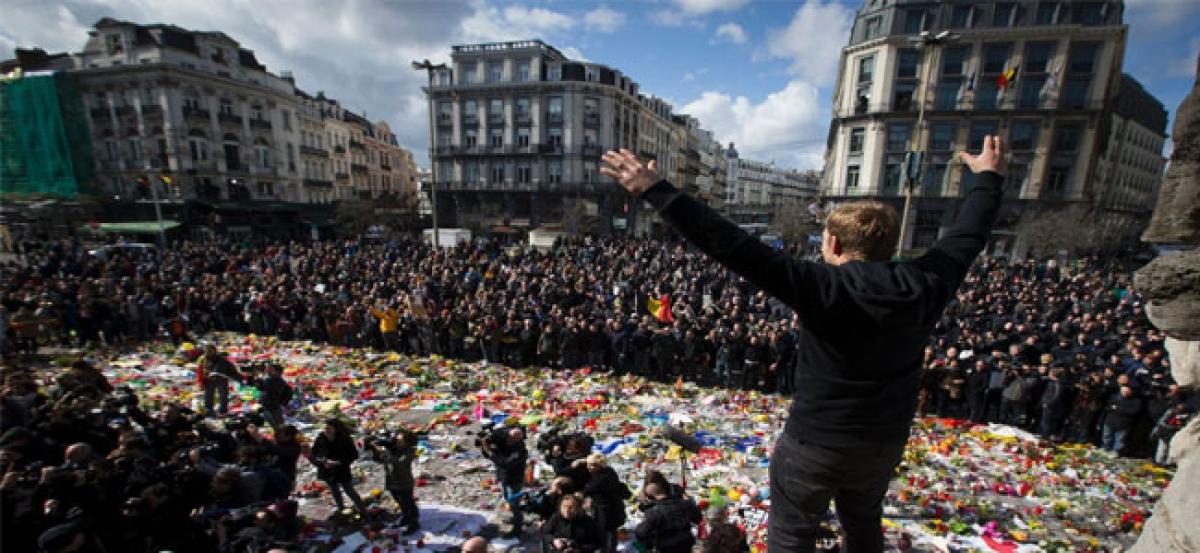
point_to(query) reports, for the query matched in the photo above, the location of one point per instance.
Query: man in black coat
(274, 394)
(667, 527)
(1123, 410)
(570, 530)
(865, 321)
(507, 451)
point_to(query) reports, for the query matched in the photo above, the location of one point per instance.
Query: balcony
(341, 176)
(123, 110)
(230, 118)
(495, 119)
(590, 150)
(445, 119)
(554, 117)
(591, 119)
(470, 120)
(358, 168)
(319, 183)
(385, 167)
(99, 114)
(446, 150)
(524, 118)
(550, 148)
(195, 113)
(151, 110)
(260, 124)
(356, 144)
(309, 150)
(339, 149)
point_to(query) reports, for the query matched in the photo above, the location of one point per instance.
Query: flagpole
(162, 237)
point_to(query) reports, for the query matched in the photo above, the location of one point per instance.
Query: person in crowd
(851, 415)
(397, 457)
(216, 374)
(1119, 417)
(332, 453)
(571, 530)
(506, 449)
(606, 494)
(722, 536)
(1171, 422)
(274, 395)
(667, 526)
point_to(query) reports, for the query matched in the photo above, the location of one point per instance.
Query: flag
(1050, 88)
(166, 180)
(967, 86)
(660, 308)
(1003, 81)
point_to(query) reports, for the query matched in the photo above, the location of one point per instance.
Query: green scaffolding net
(45, 149)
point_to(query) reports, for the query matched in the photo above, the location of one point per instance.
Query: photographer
(571, 530)
(274, 394)
(607, 495)
(332, 453)
(397, 455)
(568, 455)
(667, 527)
(506, 449)
(544, 503)
(214, 374)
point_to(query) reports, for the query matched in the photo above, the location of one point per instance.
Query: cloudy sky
(756, 72)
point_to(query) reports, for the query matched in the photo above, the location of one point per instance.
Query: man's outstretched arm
(798, 283)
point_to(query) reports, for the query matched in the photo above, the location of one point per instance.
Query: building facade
(518, 134)
(1042, 74)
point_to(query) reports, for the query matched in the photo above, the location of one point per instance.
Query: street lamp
(915, 158)
(429, 68)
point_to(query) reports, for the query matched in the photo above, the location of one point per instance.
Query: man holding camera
(506, 449)
(397, 454)
(865, 321)
(274, 394)
(667, 527)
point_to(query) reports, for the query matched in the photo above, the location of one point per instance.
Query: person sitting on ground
(667, 527)
(571, 530)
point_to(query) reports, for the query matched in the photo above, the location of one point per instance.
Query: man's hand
(629, 171)
(990, 159)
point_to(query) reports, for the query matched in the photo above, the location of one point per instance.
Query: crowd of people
(1063, 351)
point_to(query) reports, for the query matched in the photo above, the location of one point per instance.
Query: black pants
(410, 515)
(804, 477)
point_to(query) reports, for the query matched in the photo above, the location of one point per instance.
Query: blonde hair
(866, 230)
(597, 460)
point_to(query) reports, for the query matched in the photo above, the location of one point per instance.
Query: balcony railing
(151, 109)
(495, 119)
(318, 183)
(195, 113)
(100, 114)
(385, 167)
(356, 144)
(339, 149)
(591, 119)
(590, 150)
(313, 151)
(554, 117)
(358, 168)
(470, 119)
(123, 110)
(341, 176)
(230, 118)
(524, 117)
(550, 148)
(444, 119)
(260, 124)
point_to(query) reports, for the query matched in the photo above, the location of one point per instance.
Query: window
(523, 137)
(266, 188)
(1082, 57)
(135, 150)
(498, 173)
(898, 136)
(851, 178)
(1031, 92)
(470, 112)
(947, 94)
(226, 106)
(199, 149)
(872, 28)
(1004, 14)
(554, 108)
(149, 96)
(554, 137)
(891, 178)
(467, 73)
(1075, 93)
(934, 178)
(856, 140)
(445, 111)
(908, 64)
(470, 138)
(1047, 13)
(1088, 13)
(866, 69)
(902, 96)
(591, 74)
(961, 16)
(589, 137)
(589, 171)
(554, 170)
(291, 156)
(1023, 135)
(264, 157)
(941, 136)
(1037, 56)
(590, 105)
(554, 73)
(987, 94)
(495, 72)
(115, 44)
(524, 173)
(287, 119)
(522, 107)
(954, 61)
(496, 110)
(979, 130)
(1056, 181)
(914, 21)
(1066, 138)
(995, 58)
(523, 72)
(497, 138)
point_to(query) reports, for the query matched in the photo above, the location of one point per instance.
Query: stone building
(1046, 75)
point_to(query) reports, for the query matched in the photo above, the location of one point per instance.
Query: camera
(382, 439)
(556, 436)
(488, 436)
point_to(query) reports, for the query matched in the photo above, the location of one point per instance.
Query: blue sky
(756, 72)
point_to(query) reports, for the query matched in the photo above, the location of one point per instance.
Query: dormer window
(115, 45)
(219, 56)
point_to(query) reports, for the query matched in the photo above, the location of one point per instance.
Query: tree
(396, 212)
(793, 222)
(1076, 230)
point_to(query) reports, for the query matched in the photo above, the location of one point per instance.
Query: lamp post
(914, 160)
(429, 68)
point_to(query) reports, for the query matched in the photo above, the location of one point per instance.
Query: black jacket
(608, 495)
(342, 450)
(1122, 411)
(667, 527)
(864, 324)
(510, 463)
(581, 531)
(274, 392)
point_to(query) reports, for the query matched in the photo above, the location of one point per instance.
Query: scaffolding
(45, 148)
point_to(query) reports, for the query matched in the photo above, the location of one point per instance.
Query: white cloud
(1185, 66)
(730, 32)
(703, 7)
(604, 19)
(813, 40)
(788, 126)
(513, 23)
(573, 53)
(1159, 13)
